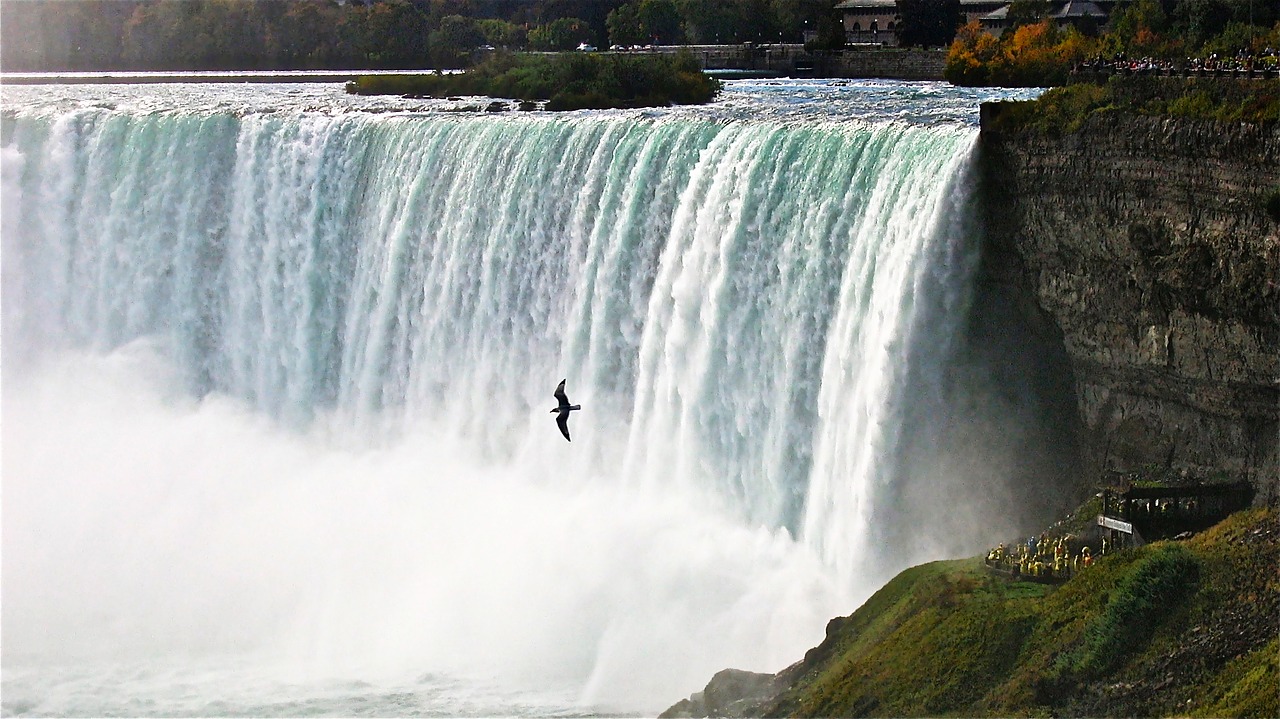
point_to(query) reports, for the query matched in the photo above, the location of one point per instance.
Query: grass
(1144, 595)
(1247, 687)
(568, 81)
(1140, 633)
(1063, 110)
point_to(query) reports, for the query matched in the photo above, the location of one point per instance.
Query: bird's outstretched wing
(561, 397)
(562, 420)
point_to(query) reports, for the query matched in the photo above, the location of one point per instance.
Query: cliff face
(1145, 241)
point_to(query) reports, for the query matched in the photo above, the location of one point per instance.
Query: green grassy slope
(1063, 110)
(1172, 628)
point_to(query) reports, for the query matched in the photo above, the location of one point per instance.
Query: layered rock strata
(1148, 244)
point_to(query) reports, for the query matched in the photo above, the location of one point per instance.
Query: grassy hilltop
(1170, 629)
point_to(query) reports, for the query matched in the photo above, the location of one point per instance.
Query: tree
(660, 21)
(928, 23)
(455, 37)
(563, 34)
(504, 34)
(305, 36)
(708, 21)
(1199, 20)
(624, 26)
(972, 54)
(155, 36)
(1027, 12)
(830, 33)
(1141, 29)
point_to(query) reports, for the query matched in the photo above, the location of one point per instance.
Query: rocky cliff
(1146, 242)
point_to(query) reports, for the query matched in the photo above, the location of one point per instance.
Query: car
(584, 47)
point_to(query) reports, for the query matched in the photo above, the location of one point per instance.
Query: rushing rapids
(277, 387)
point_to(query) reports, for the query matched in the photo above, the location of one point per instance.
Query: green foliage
(928, 23)
(455, 36)
(1246, 687)
(1028, 12)
(568, 81)
(258, 34)
(559, 35)
(1148, 592)
(946, 639)
(624, 26)
(646, 22)
(1062, 110)
(1059, 111)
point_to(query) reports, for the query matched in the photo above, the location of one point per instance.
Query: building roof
(1062, 11)
(1079, 8)
(965, 5)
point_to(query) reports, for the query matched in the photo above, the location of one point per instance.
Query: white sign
(1115, 524)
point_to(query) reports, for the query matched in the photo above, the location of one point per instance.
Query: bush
(1152, 588)
(1064, 109)
(569, 81)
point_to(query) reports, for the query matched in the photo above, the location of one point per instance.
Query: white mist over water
(276, 393)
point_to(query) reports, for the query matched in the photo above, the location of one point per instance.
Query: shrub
(1155, 584)
(570, 81)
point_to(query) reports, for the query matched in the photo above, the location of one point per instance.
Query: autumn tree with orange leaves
(1033, 55)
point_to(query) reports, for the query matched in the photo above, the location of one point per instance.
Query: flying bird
(563, 410)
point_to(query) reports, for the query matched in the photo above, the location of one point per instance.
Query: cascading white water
(277, 385)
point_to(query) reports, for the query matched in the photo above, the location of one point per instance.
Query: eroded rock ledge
(1146, 241)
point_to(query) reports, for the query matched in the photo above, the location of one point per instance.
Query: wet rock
(1146, 243)
(730, 693)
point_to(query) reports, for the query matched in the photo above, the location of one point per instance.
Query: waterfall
(745, 309)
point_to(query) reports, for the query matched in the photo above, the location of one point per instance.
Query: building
(1136, 515)
(870, 22)
(875, 22)
(1085, 16)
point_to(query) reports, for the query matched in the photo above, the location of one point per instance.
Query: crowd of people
(1044, 558)
(1241, 64)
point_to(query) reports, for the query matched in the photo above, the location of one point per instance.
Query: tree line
(80, 35)
(1034, 51)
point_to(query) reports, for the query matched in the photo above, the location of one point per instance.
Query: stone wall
(793, 61)
(1145, 241)
(903, 64)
